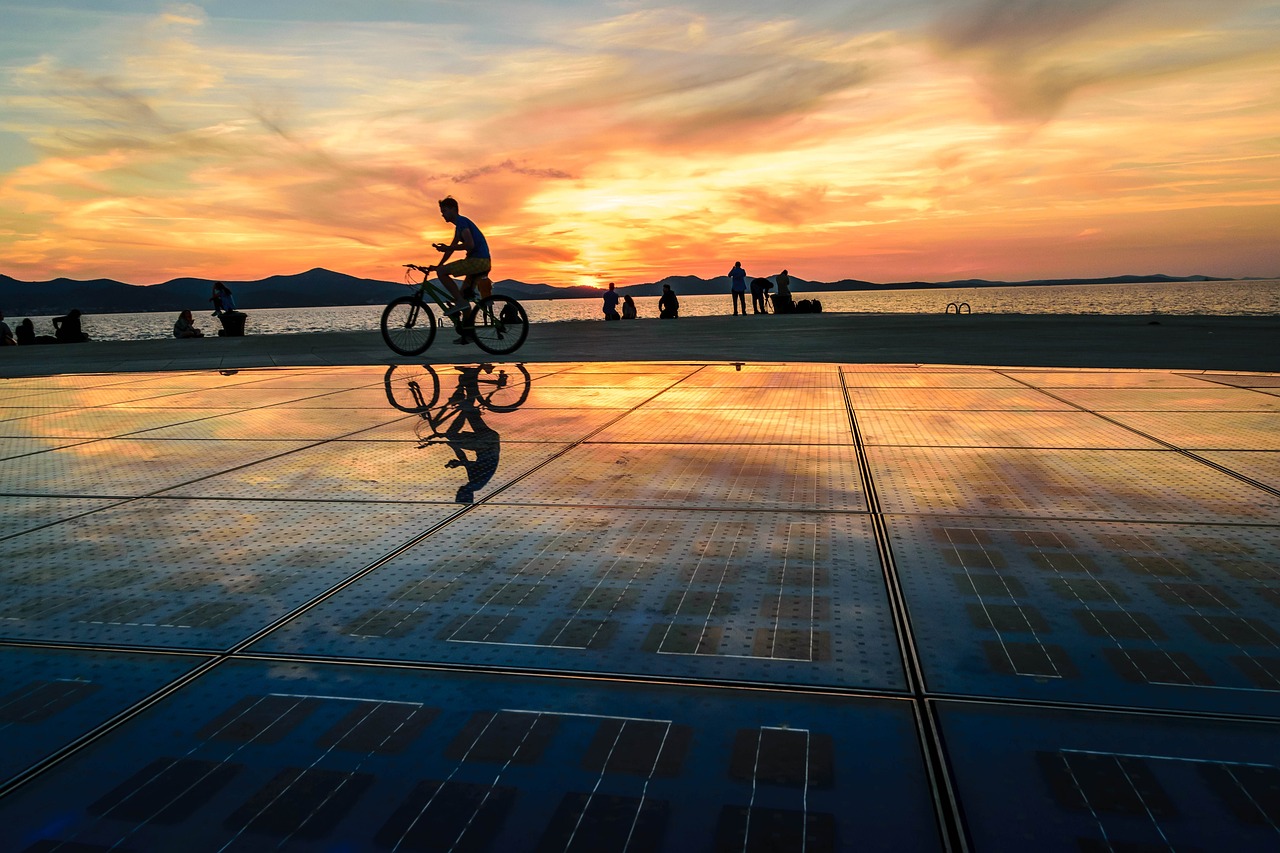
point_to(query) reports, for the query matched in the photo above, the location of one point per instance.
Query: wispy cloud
(633, 140)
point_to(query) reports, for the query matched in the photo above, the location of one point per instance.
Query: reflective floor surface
(623, 606)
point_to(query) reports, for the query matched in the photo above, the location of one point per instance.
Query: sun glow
(630, 146)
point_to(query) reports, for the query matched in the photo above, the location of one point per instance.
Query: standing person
(466, 236)
(611, 304)
(628, 307)
(185, 327)
(758, 288)
(738, 287)
(67, 328)
(668, 305)
(6, 334)
(782, 299)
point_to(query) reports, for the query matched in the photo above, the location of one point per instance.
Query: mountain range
(321, 287)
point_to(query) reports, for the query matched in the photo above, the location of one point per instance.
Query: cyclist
(466, 236)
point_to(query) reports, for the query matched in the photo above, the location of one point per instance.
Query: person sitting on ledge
(6, 334)
(668, 305)
(67, 328)
(27, 334)
(185, 327)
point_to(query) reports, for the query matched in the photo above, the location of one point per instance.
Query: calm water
(1217, 297)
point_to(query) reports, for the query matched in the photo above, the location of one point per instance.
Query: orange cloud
(658, 142)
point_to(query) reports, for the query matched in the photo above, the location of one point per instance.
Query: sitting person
(67, 328)
(185, 327)
(222, 299)
(27, 334)
(6, 334)
(628, 308)
(224, 308)
(668, 305)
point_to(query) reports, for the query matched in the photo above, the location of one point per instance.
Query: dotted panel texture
(1208, 430)
(1263, 467)
(130, 467)
(996, 429)
(755, 398)
(703, 477)
(766, 597)
(50, 697)
(731, 426)
(857, 377)
(1110, 484)
(1208, 398)
(953, 399)
(627, 527)
(264, 756)
(284, 422)
(102, 422)
(1106, 379)
(190, 574)
(20, 514)
(464, 468)
(1058, 781)
(1158, 616)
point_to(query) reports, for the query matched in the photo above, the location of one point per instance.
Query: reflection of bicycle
(476, 446)
(497, 324)
(416, 390)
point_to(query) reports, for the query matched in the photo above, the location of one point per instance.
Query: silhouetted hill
(321, 287)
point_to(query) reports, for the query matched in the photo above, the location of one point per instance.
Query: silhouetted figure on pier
(67, 328)
(668, 305)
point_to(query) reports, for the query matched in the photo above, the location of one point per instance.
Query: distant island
(322, 288)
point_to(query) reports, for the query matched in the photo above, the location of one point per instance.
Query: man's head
(611, 285)
(449, 208)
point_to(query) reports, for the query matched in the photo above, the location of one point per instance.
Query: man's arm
(462, 239)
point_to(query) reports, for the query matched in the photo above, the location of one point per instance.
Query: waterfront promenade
(867, 585)
(1100, 341)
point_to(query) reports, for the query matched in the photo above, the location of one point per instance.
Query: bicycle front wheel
(408, 326)
(411, 390)
(498, 324)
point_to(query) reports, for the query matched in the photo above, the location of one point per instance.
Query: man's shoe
(455, 311)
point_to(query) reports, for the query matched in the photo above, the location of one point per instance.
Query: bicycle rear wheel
(512, 394)
(498, 324)
(408, 326)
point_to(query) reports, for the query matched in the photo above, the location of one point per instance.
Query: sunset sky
(888, 140)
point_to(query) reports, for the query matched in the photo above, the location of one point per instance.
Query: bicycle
(497, 324)
(421, 390)
(458, 423)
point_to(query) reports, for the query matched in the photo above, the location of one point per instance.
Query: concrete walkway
(1095, 341)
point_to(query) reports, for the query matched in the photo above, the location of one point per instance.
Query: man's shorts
(468, 266)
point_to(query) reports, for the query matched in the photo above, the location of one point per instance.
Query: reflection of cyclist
(481, 439)
(466, 236)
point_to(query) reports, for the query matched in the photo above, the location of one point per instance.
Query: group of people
(760, 287)
(668, 304)
(224, 308)
(66, 330)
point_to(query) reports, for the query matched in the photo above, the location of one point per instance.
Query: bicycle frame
(441, 297)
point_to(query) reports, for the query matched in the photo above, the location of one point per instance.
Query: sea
(1221, 298)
